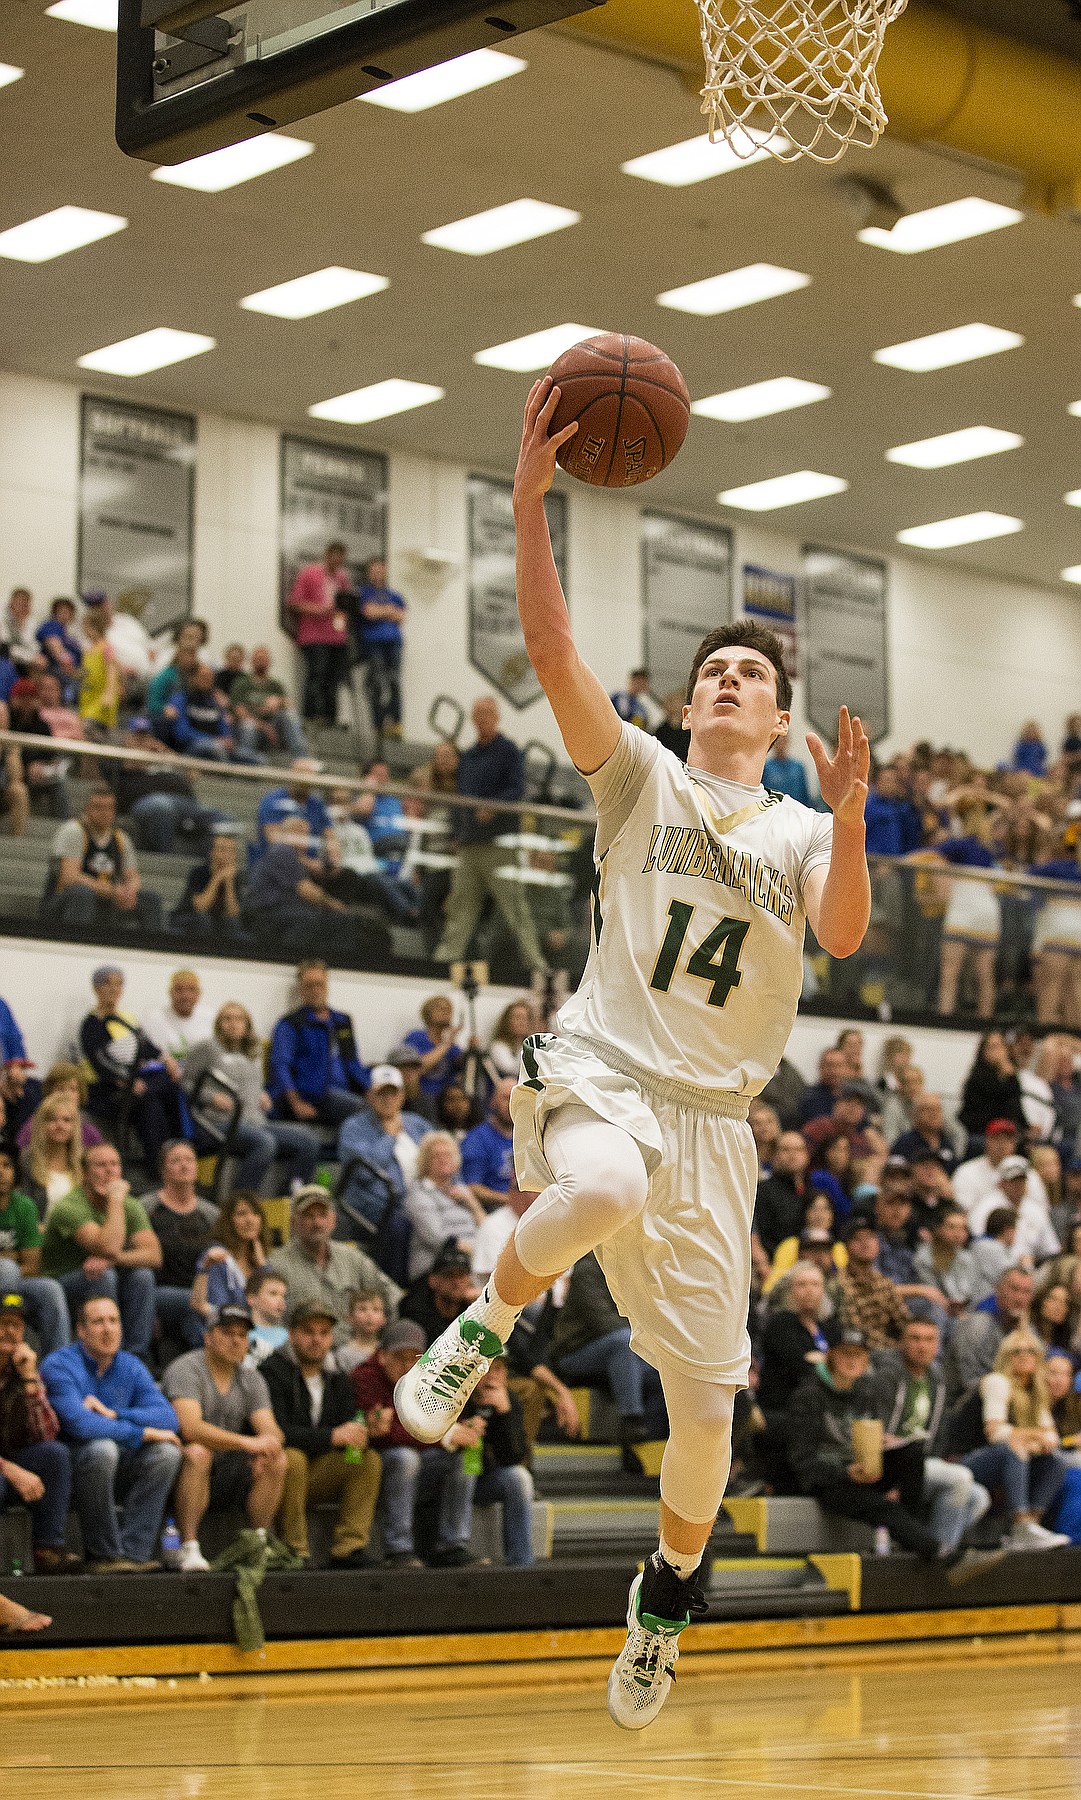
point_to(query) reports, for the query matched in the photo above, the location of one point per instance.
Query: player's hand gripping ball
(631, 406)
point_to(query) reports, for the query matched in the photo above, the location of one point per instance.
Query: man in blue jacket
(315, 1069)
(378, 1149)
(124, 1440)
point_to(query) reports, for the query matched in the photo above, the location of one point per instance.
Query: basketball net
(794, 77)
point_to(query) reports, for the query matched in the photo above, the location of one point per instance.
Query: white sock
(260, 1532)
(493, 1313)
(683, 1562)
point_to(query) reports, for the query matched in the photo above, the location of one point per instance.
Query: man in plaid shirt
(35, 1468)
(869, 1302)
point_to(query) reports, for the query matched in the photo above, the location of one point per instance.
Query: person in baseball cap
(307, 1310)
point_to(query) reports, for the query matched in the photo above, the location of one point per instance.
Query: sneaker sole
(418, 1424)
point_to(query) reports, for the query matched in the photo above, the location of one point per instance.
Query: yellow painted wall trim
(842, 1570)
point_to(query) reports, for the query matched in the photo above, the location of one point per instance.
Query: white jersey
(696, 961)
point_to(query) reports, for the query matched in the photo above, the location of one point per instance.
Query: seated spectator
(848, 1115)
(12, 1043)
(263, 718)
(189, 637)
(488, 1150)
(913, 1408)
(385, 819)
(126, 636)
(233, 1449)
(35, 1468)
(184, 1226)
(974, 1179)
(415, 1475)
(285, 901)
(495, 1229)
(52, 1163)
(870, 1304)
(19, 1095)
(406, 1060)
(14, 793)
(231, 670)
(46, 776)
(818, 1100)
(1035, 1237)
(241, 1246)
(315, 1406)
(591, 1345)
(928, 1132)
(672, 732)
(196, 723)
(234, 1054)
(829, 1170)
(1053, 1320)
(440, 1208)
(780, 1202)
(63, 721)
(899, 1106)
(93, 883)
(820, 1447)
(377, 1148)
(297, 799)
(893, 823)
(17, 633)
(992, 1254)
(100, 689)
(456, 1111)
(816, 1237)
(1022, 1455)
(792, 1341)
(441, 1058)
(1065, 1400)
(129, 1077)
(850, 1042)
(267, 1297)
(160, 797)
(211, 908)
(122, 1434)
(635, 704)
(67, 1081)
(504, 1052)
(946, 1262)
(439, 1296)
(504, 1479)
(316, 1266)
(978, 1337)
(1047, 1163)
(784, 1091)
(99, 1241)
(185, 1021)
(367, 1321)
(20, 1259)
(351, 871)
(766, 1132)
(315, 1073)
(991, 1091)
(893, 1221)
(1030, 751)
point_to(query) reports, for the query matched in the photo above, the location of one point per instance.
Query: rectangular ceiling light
(971, 528)
(955, 447)
(220, 169)
(783, 490)
(9, 73)
(536, 350)
(740, 287)
(101, 14)
(1073, 498)
(948, 224)
(696, 159)
(55, 233)
(515, 223)
(314, 293)
(447, 81)
(1075, 408)
(379, 401)
(964, 343)
(148, 350)
(760, 399)
(1073, 573)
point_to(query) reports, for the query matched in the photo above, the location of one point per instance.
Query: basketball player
(633, 1121)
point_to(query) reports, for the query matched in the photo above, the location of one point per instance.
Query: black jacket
(818, 1426)
(778, 1210)
(292, 1403)
(505, 1442)
(785, 1345)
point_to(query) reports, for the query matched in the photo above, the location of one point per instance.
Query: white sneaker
(192, 1561)
(1028, 1535)
(643, 1672)
(430, 1398)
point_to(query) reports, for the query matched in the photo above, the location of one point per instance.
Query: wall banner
(770, 598)
(845, 637)
(329, 493)
(496, 645)
(136, 501)
(687, 588)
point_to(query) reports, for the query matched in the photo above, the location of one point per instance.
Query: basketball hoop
(794, 77)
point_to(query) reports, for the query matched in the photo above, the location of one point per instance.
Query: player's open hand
(537, 456)
(843, 779)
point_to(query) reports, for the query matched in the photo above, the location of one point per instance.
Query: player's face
(734, 704)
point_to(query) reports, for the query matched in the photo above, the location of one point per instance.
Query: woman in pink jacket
(322, 630)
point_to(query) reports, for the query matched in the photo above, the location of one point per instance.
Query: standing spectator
(211, 906)
(316, 1266)
(35, 1468)
(870, 1304)
(297, 799)
(100, 689)
(377, 1148)
(233, 1449)
(234, 1052)
(99, 1241)
(16, 631)
(123, 1438)
(20, 1260)
(322, 630)
(263, 718)
(488, 1150)
(382, 613)
(315, 1407)
(1022, 1455)
(785, 774)
(440, 1208)
(978, 1336)
(513, 1026)
(93, 883)
(184, 1226)
(413, 1473)
(186, 1021)
(504, 1479)
(434, 1041)
(241, 1247)
(492, 770)
(1035, 1238)
(129, 1077)
(992, 1090)
(60, 647)
(315, 1071)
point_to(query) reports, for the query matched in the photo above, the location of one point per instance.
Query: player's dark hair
(756, 637)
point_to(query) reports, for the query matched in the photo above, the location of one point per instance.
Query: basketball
(631, 406)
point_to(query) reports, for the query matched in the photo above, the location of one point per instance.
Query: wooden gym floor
(945, 1724)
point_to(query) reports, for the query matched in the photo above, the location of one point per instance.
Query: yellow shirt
(786, 1256)
(92, 701)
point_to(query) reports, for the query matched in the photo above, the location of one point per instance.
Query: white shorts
(681, 1271)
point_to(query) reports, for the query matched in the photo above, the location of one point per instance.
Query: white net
(794, 77)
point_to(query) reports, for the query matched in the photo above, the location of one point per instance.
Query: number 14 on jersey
(716, 959)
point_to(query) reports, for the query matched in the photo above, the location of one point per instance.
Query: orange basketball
(631, 405)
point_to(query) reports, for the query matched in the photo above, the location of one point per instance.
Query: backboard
(193, 76)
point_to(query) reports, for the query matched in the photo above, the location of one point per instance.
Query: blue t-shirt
(441, 1073)
(381, 631)
(784, 775)
(967, 853)
(52, 628)
(279, 804)
(488, 1157)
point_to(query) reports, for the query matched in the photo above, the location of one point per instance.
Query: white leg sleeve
(600, 1185)
(698, 1454)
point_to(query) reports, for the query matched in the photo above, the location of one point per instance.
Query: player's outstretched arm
(838, 897)
(586, 717)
